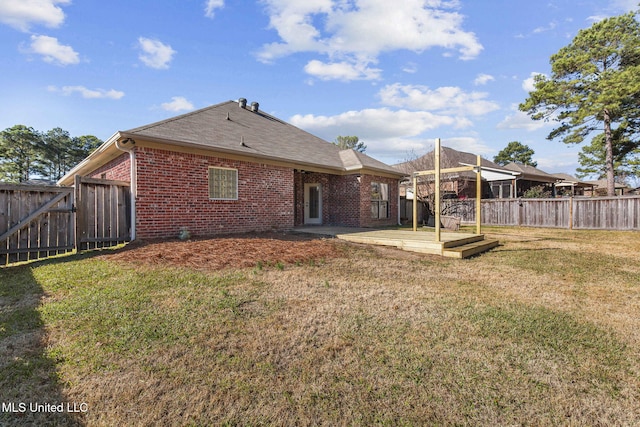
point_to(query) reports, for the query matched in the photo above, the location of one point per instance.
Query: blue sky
(397, 74)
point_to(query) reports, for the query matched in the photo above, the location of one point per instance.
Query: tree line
(26, 153)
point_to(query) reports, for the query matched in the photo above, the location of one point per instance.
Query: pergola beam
(447, 170)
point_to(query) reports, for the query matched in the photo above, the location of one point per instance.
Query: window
(223, 184)
(501, 189)
(379, 200)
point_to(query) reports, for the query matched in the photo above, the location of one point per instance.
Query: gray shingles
(255, 133)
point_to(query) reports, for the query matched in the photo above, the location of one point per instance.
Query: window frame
(211, 179)
(378, 202)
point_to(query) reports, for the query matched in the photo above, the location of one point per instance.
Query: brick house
(232, 168)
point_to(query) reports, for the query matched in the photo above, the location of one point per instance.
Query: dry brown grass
(540, 331)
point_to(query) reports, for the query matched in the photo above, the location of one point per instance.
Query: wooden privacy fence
(42, 221)
(35, 222)
(103, 216)
(599, 213)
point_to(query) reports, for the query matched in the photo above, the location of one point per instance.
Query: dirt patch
(236, 251)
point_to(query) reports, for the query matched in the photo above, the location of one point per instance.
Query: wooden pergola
(437, 172)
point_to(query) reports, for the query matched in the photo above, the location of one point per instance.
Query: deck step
(470, 249)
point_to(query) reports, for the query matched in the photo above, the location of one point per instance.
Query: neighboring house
(599, 188)
(571, 186)
(232, 168)
(459, 184)
(530, 177)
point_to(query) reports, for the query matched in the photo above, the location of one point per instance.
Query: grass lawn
(543, 330)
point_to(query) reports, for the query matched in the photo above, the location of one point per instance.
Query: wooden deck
(452, 244)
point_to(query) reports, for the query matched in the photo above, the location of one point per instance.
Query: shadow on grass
(30, 389)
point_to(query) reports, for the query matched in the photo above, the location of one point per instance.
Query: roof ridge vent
(254, 107)
(242, 102)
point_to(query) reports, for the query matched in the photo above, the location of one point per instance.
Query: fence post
(571, 213)
(79, 223)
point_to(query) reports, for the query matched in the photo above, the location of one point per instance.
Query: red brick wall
(346, 200)
(173, 193)
(365, 202)
(118, 169)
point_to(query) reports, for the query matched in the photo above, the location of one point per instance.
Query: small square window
(223, 183)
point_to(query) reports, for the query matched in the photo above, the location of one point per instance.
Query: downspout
(127, 146)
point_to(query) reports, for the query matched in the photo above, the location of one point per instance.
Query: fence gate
(41, 221)
(35, 222)
(103, 216)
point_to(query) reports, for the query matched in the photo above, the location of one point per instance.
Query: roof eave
(92, 161)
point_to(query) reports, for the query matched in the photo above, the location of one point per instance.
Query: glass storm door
(312, 204)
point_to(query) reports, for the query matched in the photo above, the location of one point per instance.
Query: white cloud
(521, 120)
(178, 103)
(155, 54)
(483, 79)
(552, 25)
(467, 144)
(21, 14)
(388, 134)
(560, 161)
(52, 51)
(373, 123)
(341, 71)
(596, 18)
(410, 68)
(529, 84)
(211, 6)
(447, 100)
(357, 32)
(626, 5)
(88, 93)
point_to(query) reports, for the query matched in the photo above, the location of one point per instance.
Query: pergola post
(478, 194)
(437, 171)
(415, 203)
(436, 162)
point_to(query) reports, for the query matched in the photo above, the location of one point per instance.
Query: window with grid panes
(223, 183)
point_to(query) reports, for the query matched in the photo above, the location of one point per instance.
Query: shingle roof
(570, 179)
(531, 173)
(449, 158)
(231, 128)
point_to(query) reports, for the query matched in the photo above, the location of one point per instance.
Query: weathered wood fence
(35, 222)
(103, 216)
(598, 213)
(42, 221)
(601, 213)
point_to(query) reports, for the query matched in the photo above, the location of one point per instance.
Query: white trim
(307, 219)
